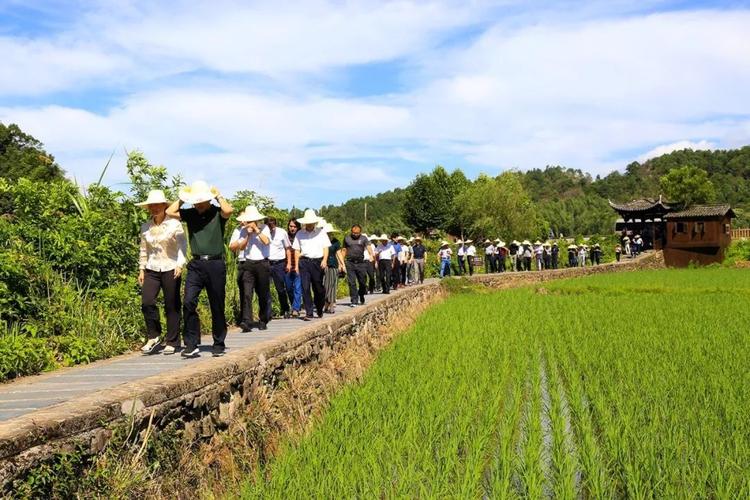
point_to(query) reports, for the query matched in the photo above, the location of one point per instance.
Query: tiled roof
(703, 211)
(642, 205)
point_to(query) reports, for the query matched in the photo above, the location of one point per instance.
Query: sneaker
(217, 350)
(262, 326)
(295, 314)
(245, 328)
(353, 304)
(191, 352)
(170, 349)
(150, 346)
(287, 315)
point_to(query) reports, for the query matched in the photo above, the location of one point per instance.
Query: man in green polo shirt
(207, 269)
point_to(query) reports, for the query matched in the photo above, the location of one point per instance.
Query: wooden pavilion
(699, 233)
(644, 217)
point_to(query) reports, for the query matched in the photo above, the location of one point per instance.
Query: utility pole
(365, 224)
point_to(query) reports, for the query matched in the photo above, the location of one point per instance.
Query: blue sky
(316, 102)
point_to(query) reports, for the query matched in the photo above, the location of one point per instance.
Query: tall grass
(628, 385)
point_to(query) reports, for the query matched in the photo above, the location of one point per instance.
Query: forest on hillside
(564, 200)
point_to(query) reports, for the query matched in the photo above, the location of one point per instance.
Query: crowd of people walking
(303, 262)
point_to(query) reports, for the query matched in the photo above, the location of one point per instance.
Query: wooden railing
(740, 233)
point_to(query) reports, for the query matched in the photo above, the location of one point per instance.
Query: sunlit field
(620, 385)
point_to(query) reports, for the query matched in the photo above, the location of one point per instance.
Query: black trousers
(256, 279)
(278, 271)
(499, 264)
(356, 274)
(165, 281)
(313, 291)
(461, 265)
(470, 261)
(396, 274)
(554, 261)
(384, 271)
(490, 263)
(211, 275)
(370, 277)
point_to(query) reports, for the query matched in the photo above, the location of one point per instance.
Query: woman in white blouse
(162, 256)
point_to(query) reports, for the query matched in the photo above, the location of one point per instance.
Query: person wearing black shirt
(420, 254)
(355, 246)
(555, 255)
(207, 269)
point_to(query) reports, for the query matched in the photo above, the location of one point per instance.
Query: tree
(687, 185)
(498, 206)
(145, 177)
(429, 199)
(21, 155)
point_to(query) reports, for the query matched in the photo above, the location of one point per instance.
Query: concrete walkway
(28, 394)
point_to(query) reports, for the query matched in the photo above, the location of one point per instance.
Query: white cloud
(675, 146)
(590, 93)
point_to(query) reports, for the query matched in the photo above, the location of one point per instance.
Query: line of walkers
(516, 256)
(304, 262)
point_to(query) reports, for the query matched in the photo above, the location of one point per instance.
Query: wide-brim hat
(597, 246)
(383, 237)
(444, 243)
(515, 242)
(469, 241)
(197, 192)
(537, 242)
(417, 238)
(501, 243)
(487, 242)
(497, 240)
(322, 222)
(626, 238)
(328, 228)
(155, 197)
(572, 247)
(526, 242)
(400, 238)
(554, 243)
(250, 214)
(309, 217)
(637, 236)
(459, 242)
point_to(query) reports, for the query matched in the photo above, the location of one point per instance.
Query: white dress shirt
(461, 251)
(490, 249)
(163, 246)
(255, 249)
(385, 252)
(311, 244)
(278, 244)
(471, 251)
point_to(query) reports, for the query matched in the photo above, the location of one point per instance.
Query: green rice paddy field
(621, 385)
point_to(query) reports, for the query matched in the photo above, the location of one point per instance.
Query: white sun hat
(469, 241)
(155, 197)
(328, 228)
(383, 237)
(501, 243)
(250, 214)
(459, 242)
(526, 242)
(322, 223)
(197, 192)
(486, 242)
(444, 243)
(537, 242)
(309, 217)
(497, 240)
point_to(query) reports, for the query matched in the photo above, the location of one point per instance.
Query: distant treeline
(565, 200)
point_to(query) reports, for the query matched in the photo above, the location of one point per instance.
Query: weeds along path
(620, 385)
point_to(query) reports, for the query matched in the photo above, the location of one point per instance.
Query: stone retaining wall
(202, 400)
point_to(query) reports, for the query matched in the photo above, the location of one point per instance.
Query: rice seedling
(628, 385)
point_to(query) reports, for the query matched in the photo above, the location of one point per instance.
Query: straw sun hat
(197, 192)
(155, 197)
(309, 217)
(250, 214)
